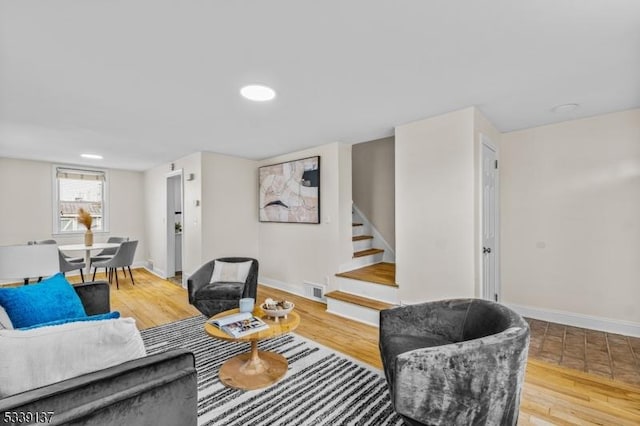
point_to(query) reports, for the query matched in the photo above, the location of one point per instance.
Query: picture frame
(289, 192)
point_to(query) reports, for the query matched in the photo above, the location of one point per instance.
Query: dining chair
(108, 253)
(66, 266)
(122, 259)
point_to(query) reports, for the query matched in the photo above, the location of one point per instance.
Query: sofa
(454, 362)
(157, 389)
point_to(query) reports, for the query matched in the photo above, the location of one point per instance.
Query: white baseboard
(158, 273)
(627, 328)
(281, 285)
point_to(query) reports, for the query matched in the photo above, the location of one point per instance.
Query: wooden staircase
(364, 292)
(368, 288)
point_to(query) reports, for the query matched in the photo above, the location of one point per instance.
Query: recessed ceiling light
(561, 109)
(258, 92)
(91, 156)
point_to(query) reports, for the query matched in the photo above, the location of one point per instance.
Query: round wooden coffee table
(256, 369)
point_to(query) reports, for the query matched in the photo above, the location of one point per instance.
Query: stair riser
(359, 262)
(357, 230)
(369, 290)
(362, 244)
(354, 312)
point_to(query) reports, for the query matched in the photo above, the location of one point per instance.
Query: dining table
(87, 251)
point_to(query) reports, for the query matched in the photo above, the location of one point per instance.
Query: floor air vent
(315, 291)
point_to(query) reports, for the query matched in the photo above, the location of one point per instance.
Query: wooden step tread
(362, 237)
(367, 252)
(356, 224)
(358, 300)
(379, 273)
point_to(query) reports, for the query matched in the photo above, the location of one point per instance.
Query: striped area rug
(322, 387)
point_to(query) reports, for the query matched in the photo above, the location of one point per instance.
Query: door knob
(486, 250)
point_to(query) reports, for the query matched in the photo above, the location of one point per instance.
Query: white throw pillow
(229, 272)
(5, 321)
(46, 355)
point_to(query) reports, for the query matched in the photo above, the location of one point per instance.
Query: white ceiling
(144, 82)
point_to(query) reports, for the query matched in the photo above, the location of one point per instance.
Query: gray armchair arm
(154, 390)
(484, 375)
(94, 296)
(199, 279)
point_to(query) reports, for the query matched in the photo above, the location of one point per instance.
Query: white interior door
(490, 284)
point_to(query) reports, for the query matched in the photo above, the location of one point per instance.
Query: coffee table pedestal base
(254, 370)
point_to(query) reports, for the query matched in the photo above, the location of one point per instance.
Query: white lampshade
(25, 261)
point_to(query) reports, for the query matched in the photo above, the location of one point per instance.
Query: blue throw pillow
(52, 299)
(99, 317)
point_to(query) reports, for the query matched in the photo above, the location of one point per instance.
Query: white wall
(155, 214)
(374, 184)
(571, 217)
(435, 207)
(229, 206)
(26, 195)
(224, 224)
(291, 253)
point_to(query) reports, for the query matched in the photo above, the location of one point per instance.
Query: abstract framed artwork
(290, 191)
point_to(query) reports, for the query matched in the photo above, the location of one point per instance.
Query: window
(77, 188)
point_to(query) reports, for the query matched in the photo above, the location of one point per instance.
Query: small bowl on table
(277, 313)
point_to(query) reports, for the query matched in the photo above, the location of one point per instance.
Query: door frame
(170, 236)
(486, 141)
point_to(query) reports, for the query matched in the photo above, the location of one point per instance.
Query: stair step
(380, 273)
(367, 252)
(361, 237)
(356, 224)
(358, 300)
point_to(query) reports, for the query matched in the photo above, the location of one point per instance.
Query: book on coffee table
(239, 325)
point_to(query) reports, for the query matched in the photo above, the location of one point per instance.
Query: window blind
(79, 174)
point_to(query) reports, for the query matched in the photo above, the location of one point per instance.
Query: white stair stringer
(381, 292)
(353, 312)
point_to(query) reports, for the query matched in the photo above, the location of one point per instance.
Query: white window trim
(55, 194)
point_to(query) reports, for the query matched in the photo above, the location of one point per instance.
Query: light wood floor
(551, 395)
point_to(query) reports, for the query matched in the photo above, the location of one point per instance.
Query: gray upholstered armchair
(210, 297)
(454, 362)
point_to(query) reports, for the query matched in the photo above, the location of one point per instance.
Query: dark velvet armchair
(454, 362)
(211, 298)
